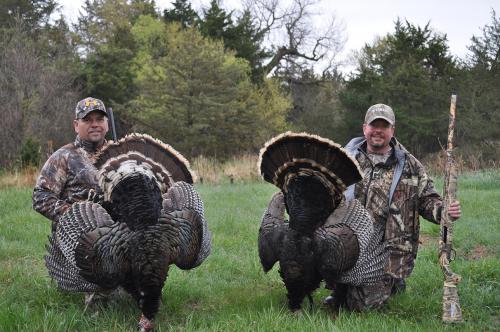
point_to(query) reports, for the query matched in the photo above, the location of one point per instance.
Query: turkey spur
(150, 217)
(326, 237)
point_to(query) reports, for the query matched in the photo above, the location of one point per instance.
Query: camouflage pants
(361, 298)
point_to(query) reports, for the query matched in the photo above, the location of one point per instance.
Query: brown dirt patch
(478, 252)
(426, 240)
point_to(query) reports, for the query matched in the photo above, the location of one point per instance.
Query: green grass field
(230, 292)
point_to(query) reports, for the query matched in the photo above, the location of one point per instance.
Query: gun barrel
(112, 121)
(451, 125)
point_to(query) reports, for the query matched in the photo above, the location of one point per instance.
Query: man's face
(378, 134)
(93, 127)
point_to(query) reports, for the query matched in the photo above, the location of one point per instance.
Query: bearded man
(395, 189)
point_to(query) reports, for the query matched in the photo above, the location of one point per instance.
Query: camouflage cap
(87, 105)
(380, 111)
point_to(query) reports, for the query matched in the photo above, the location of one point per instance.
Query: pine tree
(198, 97)
(478, 97)
(34, 13)
(412, 71)
(182, 13)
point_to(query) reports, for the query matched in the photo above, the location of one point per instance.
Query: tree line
(219, 83)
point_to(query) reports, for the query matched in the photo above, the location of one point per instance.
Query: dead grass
(22, 178)
(243, 168)
(206, 169)
(236, 169)
(239, 169)
(470, 159)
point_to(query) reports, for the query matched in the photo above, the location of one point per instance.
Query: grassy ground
(229, 292)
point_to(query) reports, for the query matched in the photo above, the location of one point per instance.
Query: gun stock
(452, 313)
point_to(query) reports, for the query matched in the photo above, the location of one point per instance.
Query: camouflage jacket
(396, 193)
(66, 177)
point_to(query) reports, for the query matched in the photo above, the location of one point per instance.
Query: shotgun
(451, 306)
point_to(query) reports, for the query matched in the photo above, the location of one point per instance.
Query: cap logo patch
(89, 101)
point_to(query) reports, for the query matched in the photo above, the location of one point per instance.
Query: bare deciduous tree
(298, 35)
(37, 98)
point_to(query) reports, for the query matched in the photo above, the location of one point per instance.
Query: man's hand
(454, 210)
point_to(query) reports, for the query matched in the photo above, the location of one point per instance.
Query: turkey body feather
(326, 238)
(151, 219)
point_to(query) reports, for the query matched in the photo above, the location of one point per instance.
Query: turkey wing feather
(183, 196)
(272, 231)
(94, 244)
(184, 232)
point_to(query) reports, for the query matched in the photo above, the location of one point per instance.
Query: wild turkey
(326, 238)
(151, 217)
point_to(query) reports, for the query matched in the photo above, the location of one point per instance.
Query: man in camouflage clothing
(69, 174)
(396, 190)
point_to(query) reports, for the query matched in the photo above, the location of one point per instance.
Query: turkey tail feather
(141, 153)
(301, 152)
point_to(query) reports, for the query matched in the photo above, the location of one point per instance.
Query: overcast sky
(364, 20)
